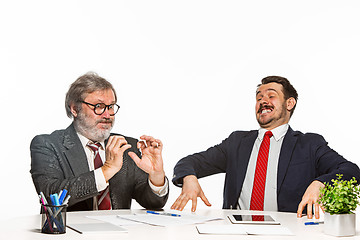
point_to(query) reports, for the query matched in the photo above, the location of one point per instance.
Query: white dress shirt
(100, 181)
(270, 197)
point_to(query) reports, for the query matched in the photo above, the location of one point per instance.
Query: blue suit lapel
(74, 152)
(245, 149)
(286, 152)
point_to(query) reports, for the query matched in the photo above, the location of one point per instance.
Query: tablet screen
(251, 218)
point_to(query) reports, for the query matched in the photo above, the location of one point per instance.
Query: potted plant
(339, 201)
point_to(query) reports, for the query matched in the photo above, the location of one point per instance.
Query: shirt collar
(84, 141)
(278, 132)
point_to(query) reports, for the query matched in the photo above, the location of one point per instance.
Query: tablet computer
(252, 219)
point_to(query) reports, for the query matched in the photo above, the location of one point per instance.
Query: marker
(62, 196)
(55, 199)
(43, 197)
(164, 213)
(66, 200)
(313, 223)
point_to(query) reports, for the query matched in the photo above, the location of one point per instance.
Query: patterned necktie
(103, 199)
(258, 191)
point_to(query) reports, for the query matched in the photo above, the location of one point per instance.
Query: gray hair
(84, 85)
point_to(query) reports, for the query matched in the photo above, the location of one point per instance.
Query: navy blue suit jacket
(303, 159)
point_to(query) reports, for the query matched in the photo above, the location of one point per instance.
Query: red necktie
(103, 199)
(257, 195)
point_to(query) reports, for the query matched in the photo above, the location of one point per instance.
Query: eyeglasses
(100, 108)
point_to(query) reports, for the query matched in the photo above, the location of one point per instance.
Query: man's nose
(264, 100)
(106, 113)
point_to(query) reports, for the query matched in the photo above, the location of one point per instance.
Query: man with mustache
(297, 164)
(100, 170)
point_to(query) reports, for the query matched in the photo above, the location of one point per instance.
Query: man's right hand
(114, 152)
(191, 190)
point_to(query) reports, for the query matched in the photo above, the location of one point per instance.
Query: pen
(43, 197)
(66, 200)
(313, 223)
(62, 196)
(164, 213)
(55, 199)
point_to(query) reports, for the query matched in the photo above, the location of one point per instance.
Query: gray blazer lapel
(74, 152)
(286, 152)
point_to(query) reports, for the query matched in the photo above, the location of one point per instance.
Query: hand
(114, 152)
(151, 161)
(191, 190)
(310, 198)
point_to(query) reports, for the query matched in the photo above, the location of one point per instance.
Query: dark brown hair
(288, 89)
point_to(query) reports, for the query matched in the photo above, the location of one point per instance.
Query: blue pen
(55, 199)
(164, 213)
(313, 223)
(62, 196)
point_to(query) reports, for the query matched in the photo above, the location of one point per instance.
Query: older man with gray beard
(100, 170)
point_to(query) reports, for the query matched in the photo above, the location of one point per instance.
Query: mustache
(262, 107)
(104, 121)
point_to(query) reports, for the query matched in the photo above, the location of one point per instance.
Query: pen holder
(53, 219)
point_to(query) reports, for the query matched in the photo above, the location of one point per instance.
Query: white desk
(29, 228)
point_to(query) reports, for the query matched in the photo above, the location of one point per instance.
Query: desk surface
(29, 227)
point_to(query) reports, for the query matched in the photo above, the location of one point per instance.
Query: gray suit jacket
(58, 161)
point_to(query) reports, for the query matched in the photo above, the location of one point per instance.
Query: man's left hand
(310, 198)
(151, 161)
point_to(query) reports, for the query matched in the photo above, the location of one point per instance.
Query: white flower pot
(340, 224)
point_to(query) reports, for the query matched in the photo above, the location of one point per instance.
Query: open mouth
(265, 109)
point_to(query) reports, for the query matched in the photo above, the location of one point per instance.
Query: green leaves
(340, 197)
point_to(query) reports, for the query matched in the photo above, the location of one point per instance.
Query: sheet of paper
(163, 220)
(92, 228)
(114, 219)
(243, 229)
(221, 229)
(267, 230)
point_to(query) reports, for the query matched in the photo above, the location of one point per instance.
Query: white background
(185, 72)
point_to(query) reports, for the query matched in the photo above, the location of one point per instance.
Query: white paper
(114, 219)
(221, 229)
(85, 228)
(267, 230)
(163, 220)
(243, 229)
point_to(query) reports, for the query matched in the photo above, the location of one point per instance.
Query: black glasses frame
(96, 106)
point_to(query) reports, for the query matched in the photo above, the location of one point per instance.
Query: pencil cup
(53, 219)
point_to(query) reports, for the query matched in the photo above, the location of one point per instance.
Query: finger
(114, 141)
(322, 208)
(135, 158)
(119, 142)
(141, 145)
(178, 205)
(110, 141)
(145, 137)
(317, 211)
(148, 139)
(204, 199)
(309, 210)
(125, 147)
(300, 209)
(155, 143)
(194, 203)
(159, 143)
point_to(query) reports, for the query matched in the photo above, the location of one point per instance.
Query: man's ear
(73, 110)
(290, 103)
